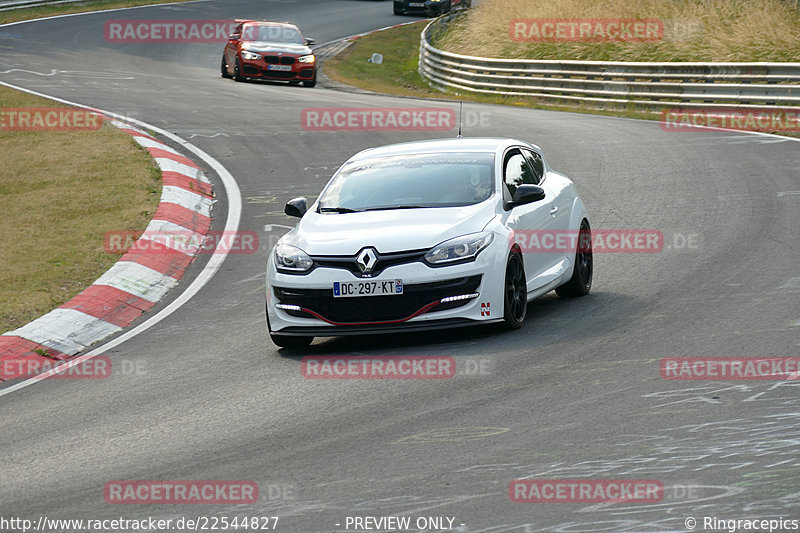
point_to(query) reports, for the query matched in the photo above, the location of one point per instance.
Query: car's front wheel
(224, 68)
(312, 82)
(237, 71)
(515, 294)
(581, 281)
(398, 10)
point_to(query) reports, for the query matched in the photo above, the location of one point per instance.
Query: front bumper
(304, 305)
(261, 68)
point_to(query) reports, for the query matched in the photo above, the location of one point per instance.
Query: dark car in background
(269, 51)
(428, 7)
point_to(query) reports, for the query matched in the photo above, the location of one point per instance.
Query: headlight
(464, 248)
(306, 59)
(250, 56)
(292, 259)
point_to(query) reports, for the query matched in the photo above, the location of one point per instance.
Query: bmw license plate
(354, 289)
(279, 67)
(416, 4)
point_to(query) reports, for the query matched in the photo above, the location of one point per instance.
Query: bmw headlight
(292, 259)
(250, 56)
(461, 249)
(306, 59)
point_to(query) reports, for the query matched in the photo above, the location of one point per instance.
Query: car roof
(463, 144)
(272, 22)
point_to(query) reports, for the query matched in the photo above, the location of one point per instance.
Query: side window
(517, 171)
(537, 165)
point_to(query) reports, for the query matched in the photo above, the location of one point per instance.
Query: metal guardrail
(671, 84)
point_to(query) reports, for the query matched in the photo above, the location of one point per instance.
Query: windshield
(410, 181)
(272, 33)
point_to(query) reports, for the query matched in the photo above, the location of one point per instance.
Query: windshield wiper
(388, 207)
(338, 210)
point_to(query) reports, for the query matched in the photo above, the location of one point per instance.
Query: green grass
(27, 13)
(60, 193)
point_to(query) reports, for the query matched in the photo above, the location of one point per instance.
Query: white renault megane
(426, 235)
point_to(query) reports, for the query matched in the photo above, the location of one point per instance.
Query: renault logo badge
(366, 260)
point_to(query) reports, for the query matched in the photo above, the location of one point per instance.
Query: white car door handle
(554, 210)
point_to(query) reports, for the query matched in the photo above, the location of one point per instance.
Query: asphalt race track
(576, 393)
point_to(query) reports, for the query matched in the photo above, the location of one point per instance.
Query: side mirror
(527, 193)
(296, 207)
(233, 37)
(309, 42)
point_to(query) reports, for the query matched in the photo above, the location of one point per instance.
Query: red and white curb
(134, 284)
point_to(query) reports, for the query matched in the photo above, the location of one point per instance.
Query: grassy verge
(398, 75)
(27, 13)
(60, 192)
(710, 30)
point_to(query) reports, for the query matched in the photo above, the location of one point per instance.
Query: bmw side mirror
(309, 42)
(296, 207)
(527, 193)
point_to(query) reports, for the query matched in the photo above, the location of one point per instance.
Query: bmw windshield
(272, 33)
(410, 182)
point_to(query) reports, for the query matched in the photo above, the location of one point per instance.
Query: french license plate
(416, 4)
(279, 67)
(354, 289)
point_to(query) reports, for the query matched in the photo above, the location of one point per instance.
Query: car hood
(263, 47)
(387, 231)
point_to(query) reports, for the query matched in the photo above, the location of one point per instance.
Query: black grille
(278, 74)
(377, 308)
(383, 261)
(275, 60)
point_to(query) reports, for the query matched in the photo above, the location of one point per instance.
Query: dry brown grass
(60, 192)
(694, 30)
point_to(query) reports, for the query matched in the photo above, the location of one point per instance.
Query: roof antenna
(460, 107)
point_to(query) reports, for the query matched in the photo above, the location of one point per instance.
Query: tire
(291, 343)
(224, 69)
(237, 71)
(515, 293)
(312, 82)
(581, 281)
(398, 11)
